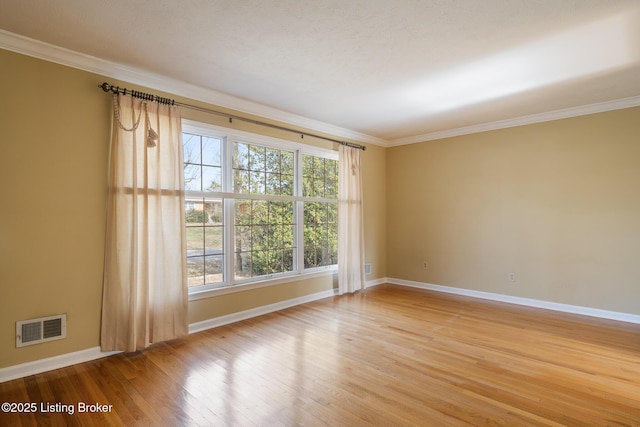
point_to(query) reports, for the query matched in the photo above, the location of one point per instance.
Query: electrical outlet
(512, 277)
(425, 265)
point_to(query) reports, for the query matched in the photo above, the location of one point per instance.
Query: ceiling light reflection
(598, 47)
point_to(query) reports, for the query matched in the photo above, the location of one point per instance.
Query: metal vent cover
(35, 331)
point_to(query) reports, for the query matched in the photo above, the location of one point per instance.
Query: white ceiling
(396, 71)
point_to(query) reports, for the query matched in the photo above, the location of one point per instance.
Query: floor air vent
(36, 331)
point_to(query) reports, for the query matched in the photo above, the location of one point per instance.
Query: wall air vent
(36, 331)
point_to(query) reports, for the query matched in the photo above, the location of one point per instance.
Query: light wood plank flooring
(387, 356)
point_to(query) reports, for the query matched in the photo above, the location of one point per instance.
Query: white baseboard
(258, 311)
(376, 282)
(567, 308)
(38, 366)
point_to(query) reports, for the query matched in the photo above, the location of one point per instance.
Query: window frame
(228, 137)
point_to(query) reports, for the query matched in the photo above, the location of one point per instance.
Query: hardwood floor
(389, 356)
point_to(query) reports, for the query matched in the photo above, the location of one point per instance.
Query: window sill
(195, 295)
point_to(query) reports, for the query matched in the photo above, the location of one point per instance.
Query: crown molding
(566, 113)
(48, 52)
(59, 55)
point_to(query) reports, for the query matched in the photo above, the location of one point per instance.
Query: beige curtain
(350, 223)
(144, 292)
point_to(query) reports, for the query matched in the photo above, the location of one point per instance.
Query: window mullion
(299, 213)
(229, 209)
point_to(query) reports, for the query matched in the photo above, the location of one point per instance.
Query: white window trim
(230, 136)
(198, 294)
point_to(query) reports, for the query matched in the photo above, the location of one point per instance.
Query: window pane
(211, 151)
(213, 240)
(287, 259)
(260, 212)
(243, 239)
(286, 186)
(309, 232)
(194, 213)
(191, 148)
(309, 257)
(287, 236)
(331, 189)
(257, 182)
(323, 230)
(273, 184)
(259, 237)
(195, 271)
(243, 212)
(192, 175)
(318, 164)
(243, 265)
(286, 162)
(276, 211)
(307, 175)
(321, 213)
(307, 165)
(332, 212)
(195, 241)
(272, 160)
(275, 236)
(310, 213)
(256, 158)
(213, 268)
(321, 258)
(241, 182)
(318, 187)
(331, 169)
(275, 262)
(241, 156)
(331, 179)
(333, 247)
(211, 178)
(214, 212)
(259, 263)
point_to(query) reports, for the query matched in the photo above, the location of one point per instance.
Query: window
(264, 230)
(203, 209)
(256, 208)
(320, 180)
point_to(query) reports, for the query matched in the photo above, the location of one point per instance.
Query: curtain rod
(167, 101)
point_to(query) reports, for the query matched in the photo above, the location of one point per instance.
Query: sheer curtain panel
(350, 223)
(144, 292)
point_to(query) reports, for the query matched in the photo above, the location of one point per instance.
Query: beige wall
(53, 164)
(54, 133)
(556, 203)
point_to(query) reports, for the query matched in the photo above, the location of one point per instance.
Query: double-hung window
(256, 208)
